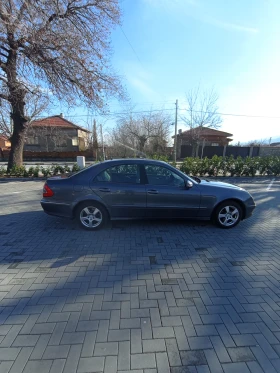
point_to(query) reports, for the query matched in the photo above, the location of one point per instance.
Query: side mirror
(189, 184)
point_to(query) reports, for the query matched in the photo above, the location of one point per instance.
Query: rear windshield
(70, 174)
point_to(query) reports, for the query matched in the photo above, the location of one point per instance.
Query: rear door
(167, 194)
(121, 190)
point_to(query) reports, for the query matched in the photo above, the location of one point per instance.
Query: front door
(121, 190)
(168, 196)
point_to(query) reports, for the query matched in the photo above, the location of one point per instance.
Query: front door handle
(105, 190)
(152, 191)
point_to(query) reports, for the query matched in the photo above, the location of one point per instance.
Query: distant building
(207, 136)
(275, 144)
(193, 142)
(56, 133)
(4, 142)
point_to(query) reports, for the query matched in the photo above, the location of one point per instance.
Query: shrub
(3, 170)
(160, 157)
(17, 171)
(186, 166)
(234, 167)
(251, 166)
(238, 166)
(46, 171)
(75, 168)
(274, 166)
(36, 171)
(67, 168)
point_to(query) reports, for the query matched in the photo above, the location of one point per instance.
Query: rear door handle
(152, 191)
(105, 190)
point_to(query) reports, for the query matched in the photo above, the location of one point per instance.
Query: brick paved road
(141, 297)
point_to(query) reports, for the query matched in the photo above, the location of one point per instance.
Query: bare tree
(201, 112)
(36, 104)
(144, 132)
(260, 142)
(61, 45)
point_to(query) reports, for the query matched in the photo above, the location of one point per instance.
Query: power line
(166, 109)
(131, 46)
(233, 115)
(120, 113)
(169, 102)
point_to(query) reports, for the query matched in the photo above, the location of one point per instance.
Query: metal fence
(235, 151)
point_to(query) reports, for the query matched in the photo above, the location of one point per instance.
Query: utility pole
(175, 138)
(103, 151)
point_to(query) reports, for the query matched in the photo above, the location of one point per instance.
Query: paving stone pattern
(138, 297)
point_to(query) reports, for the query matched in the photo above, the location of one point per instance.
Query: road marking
(270, 185)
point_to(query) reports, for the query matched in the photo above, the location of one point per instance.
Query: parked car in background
(143, 189)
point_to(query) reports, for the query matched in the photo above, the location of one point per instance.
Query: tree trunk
(16, 99)
(17, 143)
(19, 130)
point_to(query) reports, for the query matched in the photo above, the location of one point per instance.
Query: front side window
(127, 173)
(158, 175)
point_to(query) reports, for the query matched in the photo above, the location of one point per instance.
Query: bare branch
(4, 97)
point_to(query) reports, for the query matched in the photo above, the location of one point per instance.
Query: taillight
(47, 192)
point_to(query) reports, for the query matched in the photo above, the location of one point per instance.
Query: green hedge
(36, 171)
(229, 166)
(216, 166)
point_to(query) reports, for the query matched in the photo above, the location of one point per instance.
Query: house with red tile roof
(55, 133)
(210, 136)
(189, 142)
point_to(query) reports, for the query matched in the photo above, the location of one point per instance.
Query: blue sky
(232, 45)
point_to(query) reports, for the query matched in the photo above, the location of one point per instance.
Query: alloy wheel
(91, 217)
(228, 216)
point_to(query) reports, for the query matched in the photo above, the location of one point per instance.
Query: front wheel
(228, 214)
(91, 216)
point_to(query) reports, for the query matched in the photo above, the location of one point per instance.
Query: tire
(228, 214)
(91, 215)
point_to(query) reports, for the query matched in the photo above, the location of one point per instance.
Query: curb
(5, 179)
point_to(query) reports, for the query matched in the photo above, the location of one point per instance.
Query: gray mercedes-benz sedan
(142, 188)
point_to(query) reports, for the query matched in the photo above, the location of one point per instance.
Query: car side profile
(142, 189)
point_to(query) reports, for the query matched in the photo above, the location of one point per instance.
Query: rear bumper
(57, 209)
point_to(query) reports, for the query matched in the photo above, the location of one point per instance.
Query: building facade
(56, 133)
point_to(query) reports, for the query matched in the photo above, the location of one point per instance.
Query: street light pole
(175, 138)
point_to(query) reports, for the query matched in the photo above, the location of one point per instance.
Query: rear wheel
(228, 214)
(91, 215)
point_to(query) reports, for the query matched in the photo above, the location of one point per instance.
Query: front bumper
(56, 209)
(249, 207)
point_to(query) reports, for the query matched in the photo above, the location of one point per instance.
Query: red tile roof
(208, 132)
(56, 121)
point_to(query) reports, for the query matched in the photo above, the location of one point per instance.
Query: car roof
(132, 160)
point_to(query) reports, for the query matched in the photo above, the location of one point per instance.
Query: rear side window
(127, 173)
